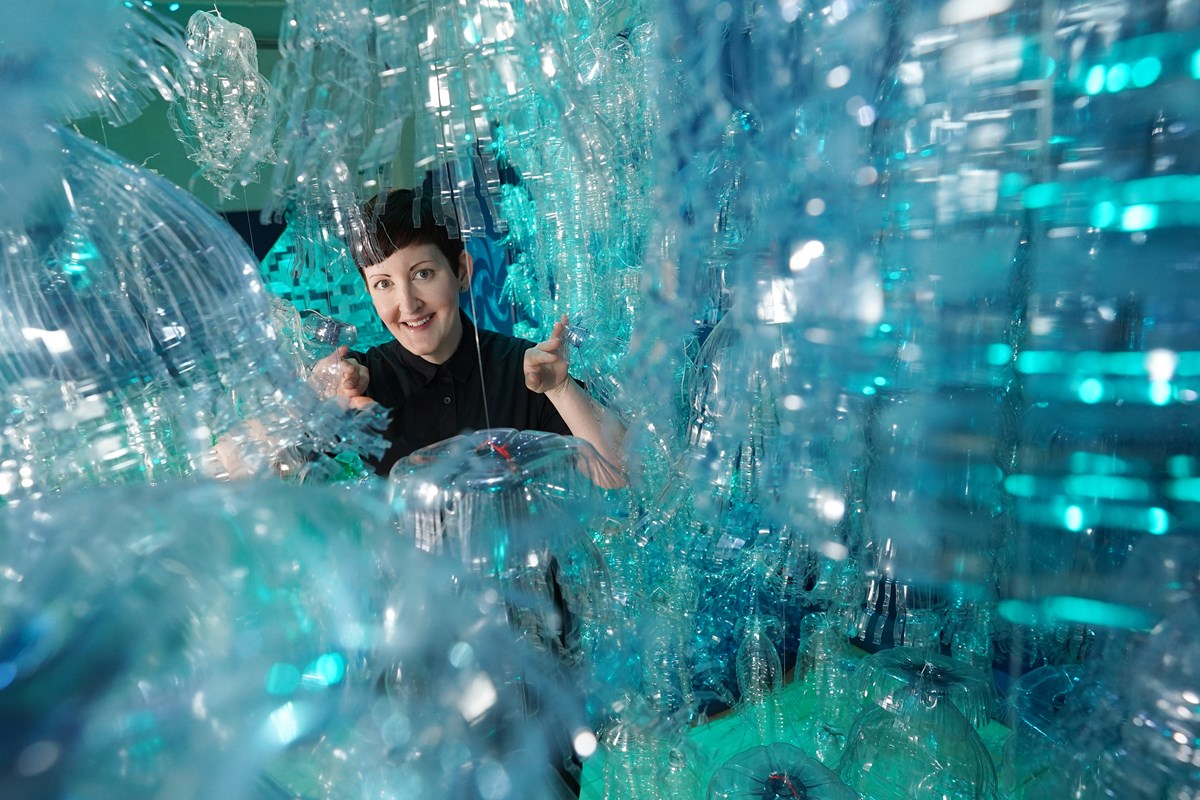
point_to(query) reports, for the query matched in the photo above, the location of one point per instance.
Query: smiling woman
(441, 376)
(415, 292)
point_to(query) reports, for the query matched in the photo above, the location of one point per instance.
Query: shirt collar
(460, 363)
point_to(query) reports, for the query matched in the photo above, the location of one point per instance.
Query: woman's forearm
(591, 422)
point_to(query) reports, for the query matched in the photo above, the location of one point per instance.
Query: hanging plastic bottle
(323, 339)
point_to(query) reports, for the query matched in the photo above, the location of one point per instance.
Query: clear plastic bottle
(322, 338)
(759, 678)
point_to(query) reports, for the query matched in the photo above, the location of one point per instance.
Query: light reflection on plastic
(832, 508)
(1160, 392)
(1117, 78)
(56, 341)
(1182, 466)
(1073, 518)
(326, 670)
(1097, 612)
(1146, 71)
(777, 303)
(470, 30)
(1139, 218)
(1091, 391)
(478, 698)
(1075, 609)
(283, 724)
(956, 12)
(1158, 521)
(1020, 485)
(805, 254)
(282, 679)
(1104, 214)
(428, 492)
(1109, 487)
(461, 654)
(584, 743)
(1161, 363)
(1184, 489)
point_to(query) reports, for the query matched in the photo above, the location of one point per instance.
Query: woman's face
(415, 291)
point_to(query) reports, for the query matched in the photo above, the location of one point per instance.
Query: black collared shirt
(432, 402)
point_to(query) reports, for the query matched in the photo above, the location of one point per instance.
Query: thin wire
(249, 224)
(487, 416)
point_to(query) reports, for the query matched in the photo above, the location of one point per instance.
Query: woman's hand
(344, 378)
(545, 369)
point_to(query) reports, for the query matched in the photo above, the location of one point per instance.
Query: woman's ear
(466, 268)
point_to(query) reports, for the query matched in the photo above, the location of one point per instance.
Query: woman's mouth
(418, 323)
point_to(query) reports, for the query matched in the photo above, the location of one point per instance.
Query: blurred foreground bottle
(1109, 366)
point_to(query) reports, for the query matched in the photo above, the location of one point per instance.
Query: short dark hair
(401, 219)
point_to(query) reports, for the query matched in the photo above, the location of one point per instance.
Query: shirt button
(446, 401)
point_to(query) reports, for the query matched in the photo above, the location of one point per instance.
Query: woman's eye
(382, 285)
(423, 274)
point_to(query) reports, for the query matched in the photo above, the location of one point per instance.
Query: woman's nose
(410, 302)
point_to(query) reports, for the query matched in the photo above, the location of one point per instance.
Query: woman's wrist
(561, 390)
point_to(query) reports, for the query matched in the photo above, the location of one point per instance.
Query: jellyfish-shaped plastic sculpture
(1038, 748)
(774, 772)
(500, 500)
(137, 334)
(884, 675)
(919, 745)
(517, 508)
